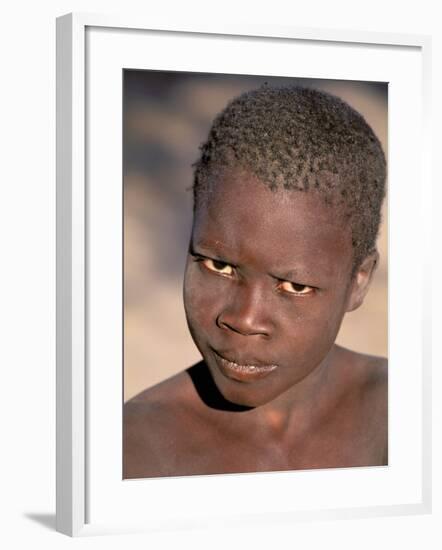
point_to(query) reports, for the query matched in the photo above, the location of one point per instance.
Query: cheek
(200, 299)
(314, 325)
(326, 324)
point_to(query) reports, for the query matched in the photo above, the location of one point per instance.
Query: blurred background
(167, 115)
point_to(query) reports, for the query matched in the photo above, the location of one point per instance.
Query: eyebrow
(205, 245)
(292, 274)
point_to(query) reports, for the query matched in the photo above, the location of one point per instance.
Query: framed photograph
(140, 109)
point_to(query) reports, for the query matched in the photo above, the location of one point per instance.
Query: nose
(246, 313)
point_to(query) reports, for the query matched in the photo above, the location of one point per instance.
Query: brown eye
(218, 267)
(295, 288)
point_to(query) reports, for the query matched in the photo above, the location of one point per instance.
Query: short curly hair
(301, 139)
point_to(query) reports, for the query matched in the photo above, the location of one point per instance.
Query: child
(287, 197)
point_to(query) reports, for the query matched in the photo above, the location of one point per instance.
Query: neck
(302, 404)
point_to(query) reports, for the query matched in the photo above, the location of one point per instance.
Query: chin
(242, 394)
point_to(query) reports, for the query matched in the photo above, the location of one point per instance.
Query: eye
(217, 266)
(295, 288)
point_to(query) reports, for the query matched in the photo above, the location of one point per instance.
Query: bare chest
(199, 449)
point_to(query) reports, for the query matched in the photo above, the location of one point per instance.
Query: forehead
(243, 217)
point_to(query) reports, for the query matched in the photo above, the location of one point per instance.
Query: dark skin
(265, 295)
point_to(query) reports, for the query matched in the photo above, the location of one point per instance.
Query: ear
(361, 280)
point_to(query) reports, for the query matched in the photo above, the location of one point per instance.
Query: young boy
(287, 197)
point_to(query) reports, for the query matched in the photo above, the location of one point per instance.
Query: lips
(244, 371)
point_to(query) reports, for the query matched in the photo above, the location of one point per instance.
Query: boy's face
(267, 282)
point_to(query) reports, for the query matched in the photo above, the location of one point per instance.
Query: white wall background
(27, 272)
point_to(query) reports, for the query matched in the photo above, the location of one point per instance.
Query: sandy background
(166, 117)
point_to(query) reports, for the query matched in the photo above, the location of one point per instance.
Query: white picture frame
(91, 51)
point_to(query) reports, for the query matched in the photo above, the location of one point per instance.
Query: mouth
(243, 372)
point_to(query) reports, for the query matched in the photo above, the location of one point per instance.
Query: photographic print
(255, 274)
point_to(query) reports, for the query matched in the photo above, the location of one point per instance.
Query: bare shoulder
(374, 382)
(151, 422)
(367, 391)
(152, 401)
(161, 392)
(368, 370)
(367, 383)
(158, 403)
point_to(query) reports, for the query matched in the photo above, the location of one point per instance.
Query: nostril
(223, 324)
(241, 326)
